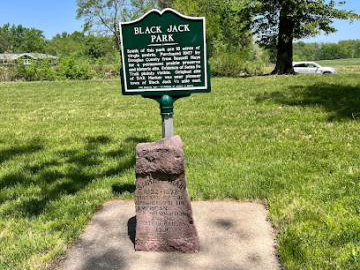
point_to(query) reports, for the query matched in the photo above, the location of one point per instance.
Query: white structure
(24, 58)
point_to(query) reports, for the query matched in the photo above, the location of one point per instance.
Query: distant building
(7, 59)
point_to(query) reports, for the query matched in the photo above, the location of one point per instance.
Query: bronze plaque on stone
(164, 219)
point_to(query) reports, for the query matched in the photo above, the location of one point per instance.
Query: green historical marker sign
(164, 57)
(164, 53)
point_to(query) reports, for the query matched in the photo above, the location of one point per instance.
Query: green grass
(351, 65)
(343, 66)
(66, 147)
(341, 62)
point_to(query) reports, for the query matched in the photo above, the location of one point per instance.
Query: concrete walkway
(233, 236)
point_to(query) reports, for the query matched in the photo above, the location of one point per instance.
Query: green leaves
(278, 22)
(20, 39)
(103, 16)
(228, 23)
(310, 16)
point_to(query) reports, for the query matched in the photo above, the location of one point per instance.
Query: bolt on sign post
(164, 57)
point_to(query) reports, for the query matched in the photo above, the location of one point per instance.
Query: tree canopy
(103, 16)
(20, 39)
(232, 27)
(228, 23)
(326, 51)
(278, 22)
(81, 45)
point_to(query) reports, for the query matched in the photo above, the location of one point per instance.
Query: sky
(346, 30)
(57, 16)
(50, 16)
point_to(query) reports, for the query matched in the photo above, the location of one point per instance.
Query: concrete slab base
(233, 236)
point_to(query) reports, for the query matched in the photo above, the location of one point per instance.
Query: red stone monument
(164, 220)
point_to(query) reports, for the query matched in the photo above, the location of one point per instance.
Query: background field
(351, 65)
(343, 66)
(294, 142)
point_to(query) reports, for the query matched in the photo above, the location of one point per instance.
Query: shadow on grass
(68, 172)
(342, 102)
(123, 188)
(29, 148)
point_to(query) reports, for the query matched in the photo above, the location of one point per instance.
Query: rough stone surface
(164, 219)
(233, 236)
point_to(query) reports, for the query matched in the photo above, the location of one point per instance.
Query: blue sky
(345, 29)
(56, 16)
(51, 16)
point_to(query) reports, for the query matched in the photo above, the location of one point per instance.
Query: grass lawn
(66, 147)
(342, 62)
(350, 65)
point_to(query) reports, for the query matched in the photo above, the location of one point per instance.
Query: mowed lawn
(350, 65)
(292, 142)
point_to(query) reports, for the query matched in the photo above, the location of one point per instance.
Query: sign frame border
(162, 91)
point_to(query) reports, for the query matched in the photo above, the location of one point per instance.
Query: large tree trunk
(284, 47)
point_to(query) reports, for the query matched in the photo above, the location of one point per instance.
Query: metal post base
(167, 126)
(167, 111)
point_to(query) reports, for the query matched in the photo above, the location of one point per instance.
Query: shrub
(238, 62)
(107, 67)
(7, 74)
(37, 71)
(73, 68)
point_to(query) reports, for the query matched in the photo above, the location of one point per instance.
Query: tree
(5, 42)
(330, 51)
(97, 47)
(348, 48)
(103, 16)
(228, 33)
(278, 22)
(67, 44)
(79, 45)
(19, 39)
(29, 40)
(228, 22)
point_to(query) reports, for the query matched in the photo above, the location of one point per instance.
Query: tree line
(240, 33)
(327, 51)
(20, 39)
(80, 55)
(233, 24)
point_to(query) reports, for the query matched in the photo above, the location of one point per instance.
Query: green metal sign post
(164, 57)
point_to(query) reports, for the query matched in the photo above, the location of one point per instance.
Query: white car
(312, 67)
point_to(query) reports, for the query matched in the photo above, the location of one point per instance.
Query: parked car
(312, 67)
